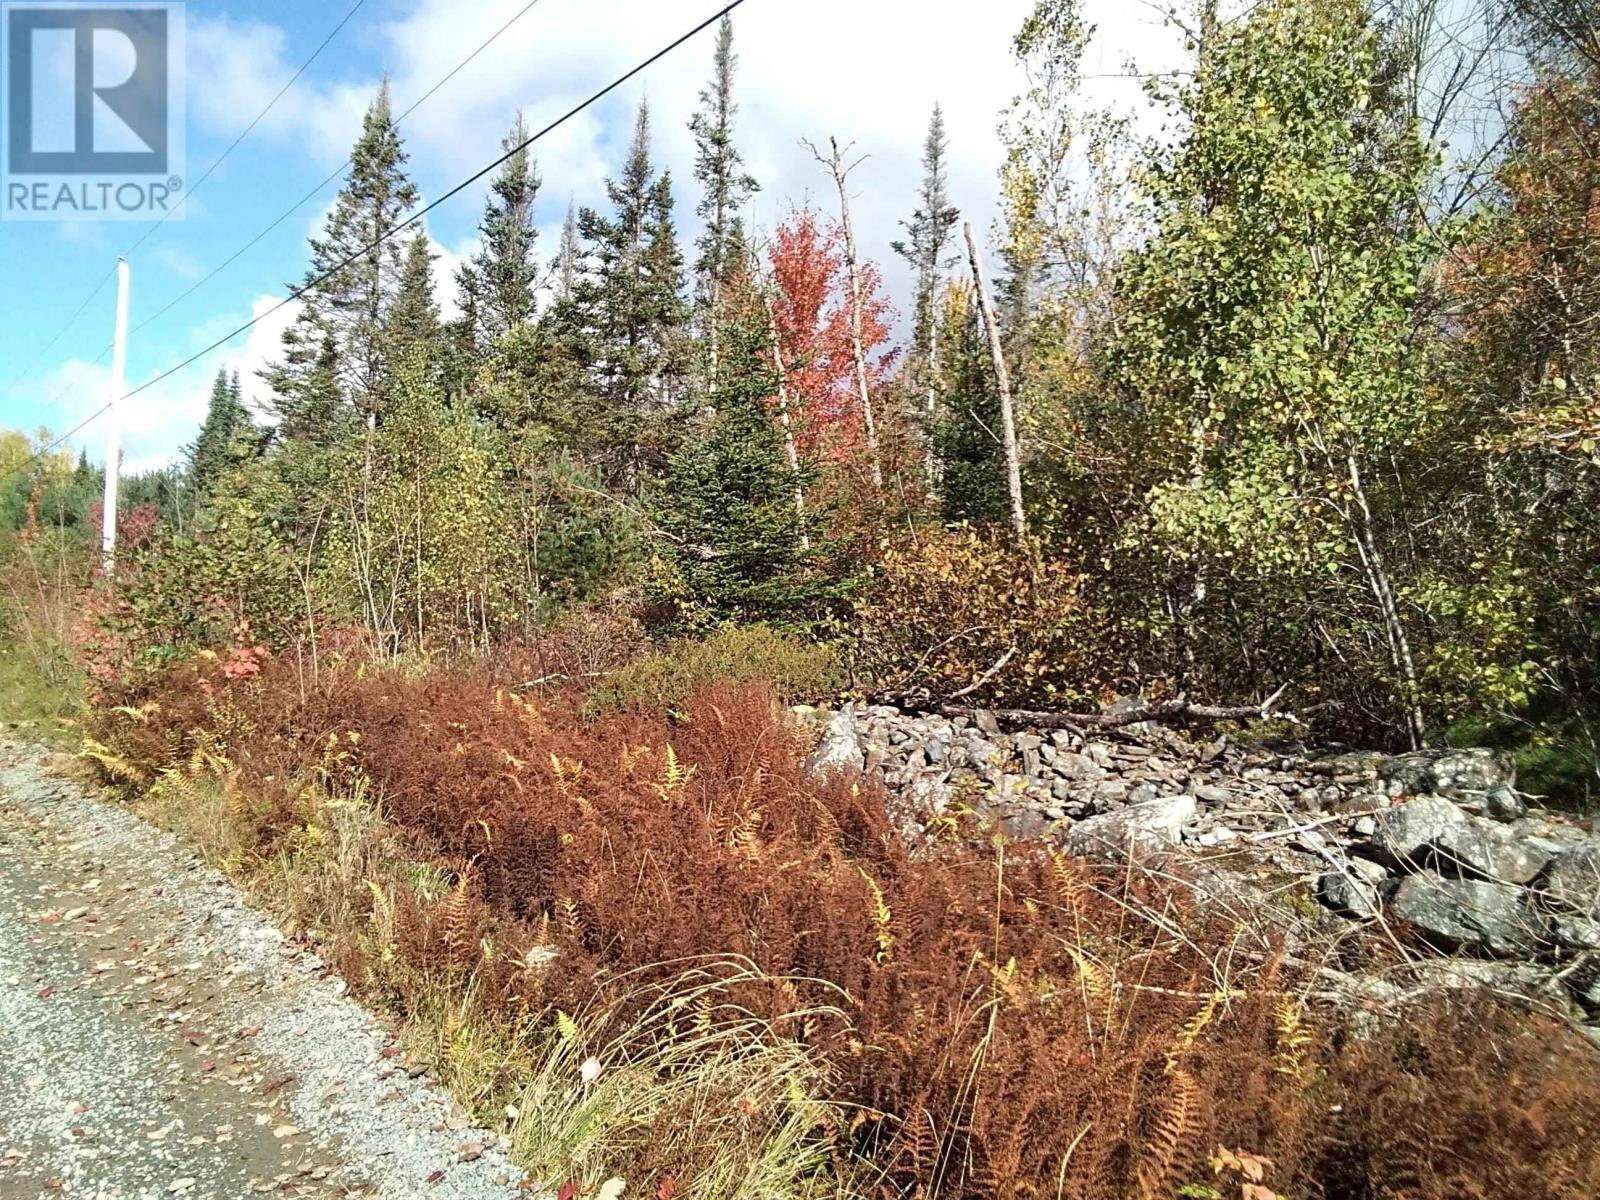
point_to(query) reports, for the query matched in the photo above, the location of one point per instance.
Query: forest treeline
(1300, 392)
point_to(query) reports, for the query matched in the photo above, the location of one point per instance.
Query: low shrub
(962, 608)
(664, 679)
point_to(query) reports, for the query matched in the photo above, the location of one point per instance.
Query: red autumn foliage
(1013, 1022)
(812, 309)
(134, 525)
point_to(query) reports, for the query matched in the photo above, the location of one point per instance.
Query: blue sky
(868, 72)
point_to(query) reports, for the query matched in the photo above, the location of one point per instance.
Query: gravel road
(160, 1039)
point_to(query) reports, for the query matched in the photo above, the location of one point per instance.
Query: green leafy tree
(1265, 332)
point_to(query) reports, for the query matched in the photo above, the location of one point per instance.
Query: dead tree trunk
(1008, 423)
(1383, 591)
(836, 167)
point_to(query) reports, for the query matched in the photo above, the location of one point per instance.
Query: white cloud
(157, 422)
(867, 73)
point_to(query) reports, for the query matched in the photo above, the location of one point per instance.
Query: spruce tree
(626, 316)
(414, 317)
(318, 416)
(927, 232)
(501, 276)
(725, 186)
(739, 547)
(216, 446)
(353, 302)
(569, 260)
(965, 435)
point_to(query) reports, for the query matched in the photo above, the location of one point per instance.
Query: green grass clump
(41, 691)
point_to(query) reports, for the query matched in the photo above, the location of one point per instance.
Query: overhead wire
(190, 191)
(397, 228)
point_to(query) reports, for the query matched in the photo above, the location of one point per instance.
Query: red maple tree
(812, 311)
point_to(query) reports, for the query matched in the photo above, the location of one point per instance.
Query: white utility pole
(119, 362)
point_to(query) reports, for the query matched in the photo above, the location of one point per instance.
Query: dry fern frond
(116, 767)
(1173, 1137)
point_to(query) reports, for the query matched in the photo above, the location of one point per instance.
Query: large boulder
(1460, 773)
(839, 749)
(1572, 882)
(1406, 832)
(1430, 831)
(1481, 847)
(1353, 891)
(1474, 915)
(1152, 827)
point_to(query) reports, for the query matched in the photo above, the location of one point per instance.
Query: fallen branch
(987, 675)
(1178, 710)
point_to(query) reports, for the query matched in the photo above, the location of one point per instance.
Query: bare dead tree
(835, 165)
(1008, 423)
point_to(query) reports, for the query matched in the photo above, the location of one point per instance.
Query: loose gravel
(159, 1038)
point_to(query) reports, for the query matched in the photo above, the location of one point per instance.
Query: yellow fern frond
(1196, 1025)
(1095, 986)
(141, 714)
(881, 917)
(1294, 1040)
(113, 764)
(566, 1027)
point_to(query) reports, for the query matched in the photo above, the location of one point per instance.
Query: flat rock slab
(1153, 826)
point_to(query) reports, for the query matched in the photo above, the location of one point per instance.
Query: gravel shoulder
(160, 1038)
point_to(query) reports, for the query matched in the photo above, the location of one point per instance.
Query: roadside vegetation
(466, 644)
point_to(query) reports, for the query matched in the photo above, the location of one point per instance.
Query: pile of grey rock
(1438, 841)
(1457, 857)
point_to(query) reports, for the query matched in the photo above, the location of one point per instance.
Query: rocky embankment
(1436, 845)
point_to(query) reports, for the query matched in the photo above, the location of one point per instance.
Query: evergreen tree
(929, 228)
(740, 547)
(353, 302)
(927, 232)
(217, 445)
(726, 186)
(626, 316)
(414, 317)
(965, 436)
(569, 261)
(318, 415)
(501, 276)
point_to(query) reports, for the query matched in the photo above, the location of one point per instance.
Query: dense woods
(1294, 394)
(1295, 398)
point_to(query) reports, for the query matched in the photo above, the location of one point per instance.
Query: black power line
(194, 187)
(337, 171)
(394, 229)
